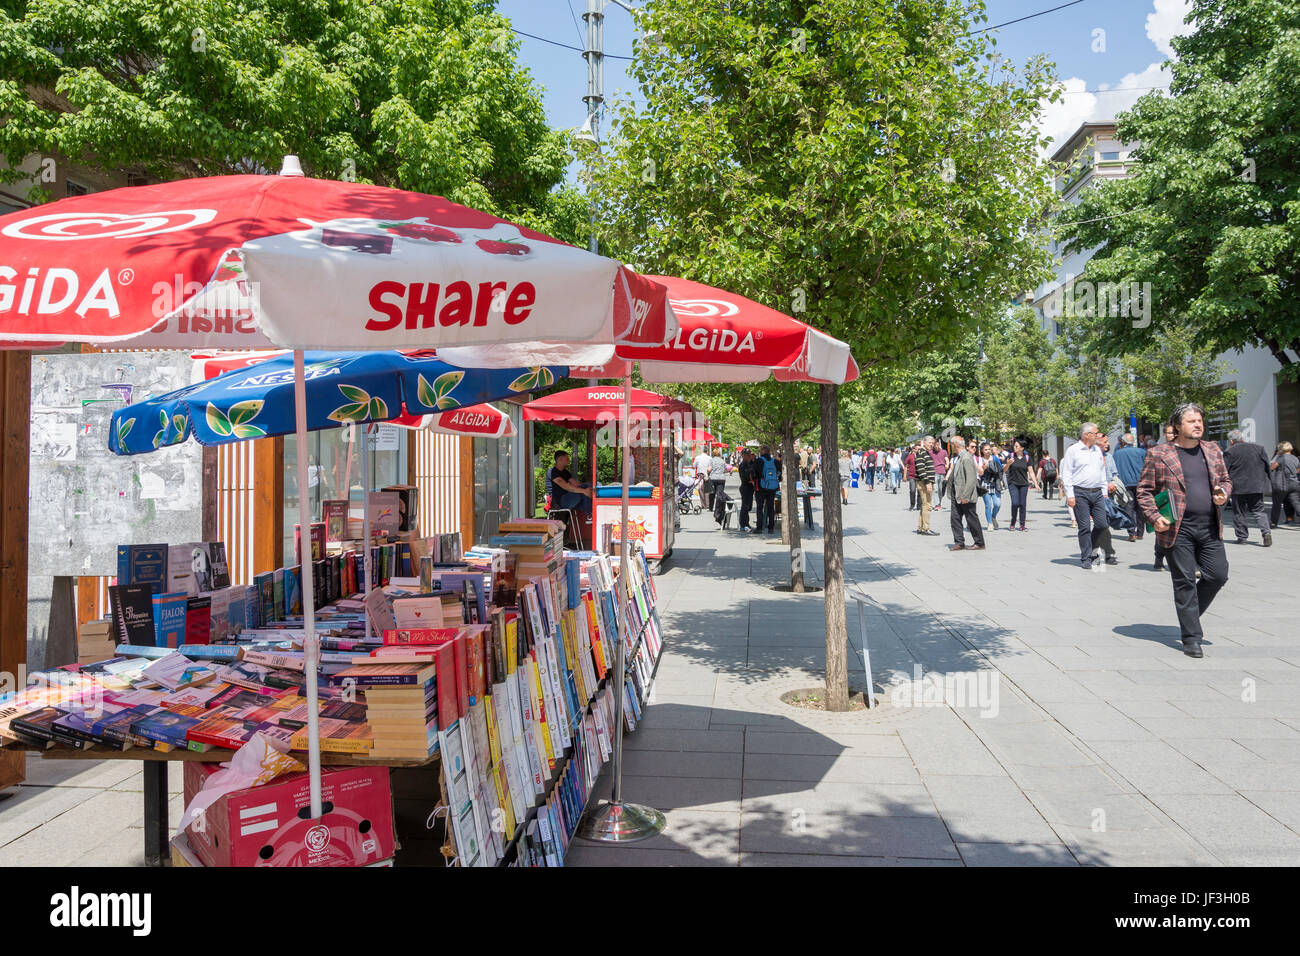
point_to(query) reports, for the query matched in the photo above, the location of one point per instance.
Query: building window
(492, 503)
(1110, 156)
(76, 189)
(1218, 424)
(334, 470)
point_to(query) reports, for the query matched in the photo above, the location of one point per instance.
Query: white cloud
(1077, 105)
(1166, 22)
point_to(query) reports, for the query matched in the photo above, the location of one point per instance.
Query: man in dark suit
(1194, 474)
(1248, 468)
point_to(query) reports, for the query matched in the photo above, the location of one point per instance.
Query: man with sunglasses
(1195, 475)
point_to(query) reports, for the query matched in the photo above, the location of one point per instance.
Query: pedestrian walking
(1047, 474)
(717, 473)
(1129, 460)
(924, 463)
(909, 468)
(749, 474)
(1248, 467)
(846, 475)
(940, 457)
(1193, 473)
(963, 480)
(989, 464)
(869, 469)
(1083, 478)
(1285, 483)
(769, 480)
(895, 470)
(1020, 477)
(703, 464)
(1114, 494)
(855, 463)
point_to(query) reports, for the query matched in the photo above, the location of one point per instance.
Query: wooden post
(466, 481)
(268, 504)
(209, 496)
(15, 424)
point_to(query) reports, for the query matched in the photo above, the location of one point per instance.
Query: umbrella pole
(310, 645)
(365, 516)
(616, 821)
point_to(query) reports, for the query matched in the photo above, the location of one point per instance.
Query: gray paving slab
(987, 810)
(857, 834)
(1016, 854)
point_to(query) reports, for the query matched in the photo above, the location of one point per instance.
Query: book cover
(277, 594)
(265, 583)
(292, 591)
(169, 618)
(144, 564)
(164, 726)
(176, 671)
(385, 512)
(219, 564)
(408, 506)
(334, 515)
(418, 611)
(131, 608)
(198, 620)
(188, 567)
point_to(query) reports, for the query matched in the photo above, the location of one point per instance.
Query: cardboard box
(269, 825)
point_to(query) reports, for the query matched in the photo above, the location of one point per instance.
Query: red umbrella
(696, 434)
(724, 337)
(474, 421)
(241, 261)
(604, 403)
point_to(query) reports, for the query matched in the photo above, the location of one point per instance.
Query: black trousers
(1090, 514)
(1198, 545)
(967, 511)
(746, 502)
(716, 485)
(1249, 505)
(766, 509)
(911, 494)
(1290, 500)
(1131, 509)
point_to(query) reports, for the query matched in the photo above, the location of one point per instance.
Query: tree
(1087, 384)
(860, 163)
(1211, 216)
(1174, 368)
(419, 94)
(1016, 389)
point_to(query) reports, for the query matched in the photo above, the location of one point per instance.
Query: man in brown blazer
(1195, 475)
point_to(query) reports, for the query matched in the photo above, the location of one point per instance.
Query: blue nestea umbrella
(342, 388)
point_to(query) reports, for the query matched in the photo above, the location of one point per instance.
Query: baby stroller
(688, 502)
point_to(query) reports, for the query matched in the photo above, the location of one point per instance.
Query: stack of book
(95, 641)
(538, 546)
(401, 699)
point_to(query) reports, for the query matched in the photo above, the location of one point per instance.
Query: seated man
(564, 491)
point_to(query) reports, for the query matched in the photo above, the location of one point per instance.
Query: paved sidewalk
(1107, 746)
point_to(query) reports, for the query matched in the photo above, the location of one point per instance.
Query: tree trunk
(837, 673)
(791, 532)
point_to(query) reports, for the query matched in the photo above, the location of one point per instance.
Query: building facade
(1266, 408)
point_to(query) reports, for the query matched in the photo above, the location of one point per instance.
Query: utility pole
(594, 54)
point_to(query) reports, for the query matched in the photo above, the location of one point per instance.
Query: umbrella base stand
(621, 823)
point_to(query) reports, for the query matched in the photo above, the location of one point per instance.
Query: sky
(1107, 52)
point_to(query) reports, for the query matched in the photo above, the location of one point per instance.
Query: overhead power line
(1040, 13)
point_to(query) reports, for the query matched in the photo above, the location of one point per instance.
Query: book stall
(491, 666)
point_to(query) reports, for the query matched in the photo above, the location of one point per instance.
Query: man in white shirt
(702, 464)
(1083, 477)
